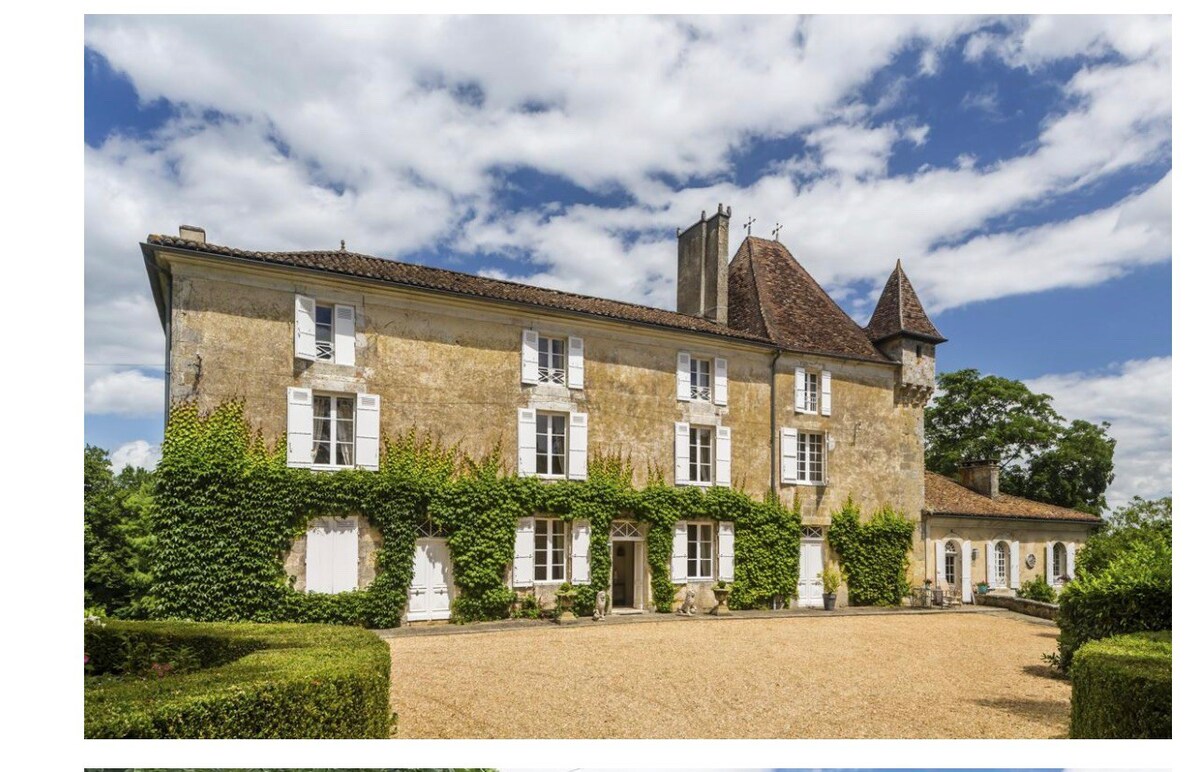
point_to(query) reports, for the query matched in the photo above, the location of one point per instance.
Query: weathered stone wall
(1032, 535)
(370, 539)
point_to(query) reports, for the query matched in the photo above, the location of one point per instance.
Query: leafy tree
(1041, 456)
(1142, 526)
(116, 534)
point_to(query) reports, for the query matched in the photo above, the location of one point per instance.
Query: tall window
(811, 389)
(551, 444)
(700, 551)
(1001, 563)
(324, 332)
(702, 379)
(810, 457)
(700, 443)
(951, 567)
(1060, 560)
(549, 550)
(333, 430)
(552, 360)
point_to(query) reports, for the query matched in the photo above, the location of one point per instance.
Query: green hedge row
(1121, 688)
(243, 681)
(1131, 596)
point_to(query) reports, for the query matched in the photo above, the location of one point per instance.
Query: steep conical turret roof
(899, 312)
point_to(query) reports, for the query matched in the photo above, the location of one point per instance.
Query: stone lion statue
(601, 610)
(689, 603)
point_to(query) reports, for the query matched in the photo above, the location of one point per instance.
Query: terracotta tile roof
(770, 293)
(899, 310)
(944, 496)
(440, 279)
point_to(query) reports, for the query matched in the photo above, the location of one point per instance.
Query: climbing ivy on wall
(228, 508)
(873, 554)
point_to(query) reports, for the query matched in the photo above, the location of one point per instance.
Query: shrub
(873, 554)
(245, 681)
(1121, 688)
(831, 579)
(1132, 595)
(1037, 589)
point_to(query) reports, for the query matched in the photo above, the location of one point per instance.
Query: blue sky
(1020, 167)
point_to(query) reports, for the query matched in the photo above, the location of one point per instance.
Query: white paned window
(324, 331)
(702, 379)
(810, 392)
(951, 563)
(1060, 561)
(549, 550)
(699, 551)
(810, 457)
(333, 430)
(551, 451)
(1001, 563)
(552, 360)
(700, 454)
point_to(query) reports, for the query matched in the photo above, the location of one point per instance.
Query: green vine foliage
(228, 509)
(873, 554)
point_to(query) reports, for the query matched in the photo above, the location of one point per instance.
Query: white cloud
(1135, 397)
(138, 453)
(128, 393)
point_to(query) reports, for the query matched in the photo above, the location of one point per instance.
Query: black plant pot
(830, 599)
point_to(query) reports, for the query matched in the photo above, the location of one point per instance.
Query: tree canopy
(1042, 456)
(116, 534)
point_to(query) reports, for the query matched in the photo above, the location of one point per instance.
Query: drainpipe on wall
(774, 461)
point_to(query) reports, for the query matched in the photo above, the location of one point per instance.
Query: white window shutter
(990, 555)
(318, 576)
(966, 572)
(939, 563)
(345, 555)
(1014, 569)
(801, 387)
(724, 457)
(577, 450)
(1071, 560)
(523, 553)
(679, 554)
(343, 335)
(306, 328)
(682, 457)
(1050, 577)
(683, 376)
(366, 431)
(529, 356)
(526, 442)
(581, 540)
(788, 471)
(826, 392)
(574, 363)
(720, 381)
(299, 427)
(826, 471)
(725, 551)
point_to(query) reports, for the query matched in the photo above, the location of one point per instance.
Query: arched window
(1002, 562)
(1060, 561)
(951, 567)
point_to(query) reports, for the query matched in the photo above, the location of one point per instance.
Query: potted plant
(831, 579)
(566, 603)
(721, 591)
(981, 588)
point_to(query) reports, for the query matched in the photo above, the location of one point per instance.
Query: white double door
(812, 560)
(432, 585)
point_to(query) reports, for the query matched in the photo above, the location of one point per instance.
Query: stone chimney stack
(702, 283)
(192, 233)
(981, 476)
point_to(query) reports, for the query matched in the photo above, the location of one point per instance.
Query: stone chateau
(757, 380)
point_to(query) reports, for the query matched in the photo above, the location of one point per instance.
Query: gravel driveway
(943, 675)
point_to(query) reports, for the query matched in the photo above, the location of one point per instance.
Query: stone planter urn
(722, 596)
(830, 600)
(938, 598)
(566, 606)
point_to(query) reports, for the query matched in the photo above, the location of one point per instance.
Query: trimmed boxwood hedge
(247, 681)
(1121, 687)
